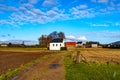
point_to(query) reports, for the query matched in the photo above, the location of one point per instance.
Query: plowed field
(10, 60)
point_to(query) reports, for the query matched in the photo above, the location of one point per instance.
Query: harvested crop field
(101, 55)
(10, 60)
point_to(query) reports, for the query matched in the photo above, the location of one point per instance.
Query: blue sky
(89, 20)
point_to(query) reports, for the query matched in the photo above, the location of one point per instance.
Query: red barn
(70, 44)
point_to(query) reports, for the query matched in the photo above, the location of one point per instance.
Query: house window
(56, 44)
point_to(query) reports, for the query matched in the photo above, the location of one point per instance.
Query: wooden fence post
(78, 57)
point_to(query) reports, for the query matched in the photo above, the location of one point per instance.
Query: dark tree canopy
(61, 35)
(44, 40)
(55, 34)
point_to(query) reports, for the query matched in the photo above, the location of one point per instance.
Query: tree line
(44, 40)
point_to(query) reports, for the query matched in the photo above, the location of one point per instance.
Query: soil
(10, 60)
(51, 68)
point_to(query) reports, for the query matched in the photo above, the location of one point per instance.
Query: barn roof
(70, 43)
(57, 40)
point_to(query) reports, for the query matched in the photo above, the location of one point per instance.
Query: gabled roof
(94, 42)
(79, 43)
(57, 40)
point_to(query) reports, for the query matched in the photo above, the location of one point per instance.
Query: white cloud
(4, 22)
(3, 39)
(112, 3)
(103, 10)
(117, 24)
(111, 34)
(27, 5)
(4, 8)
(49, 3)
(52, 13)
(103, 1)
(82, 38)
(78, 8)
(82, 11)
(82, 7)
(71, 37)
(94, 0)
(100, 25)
(78, 13)
(105, 34)
(38, 11)
(100, 1)
(118, 5)
(33, 1)
(28, 13)
(111, 8)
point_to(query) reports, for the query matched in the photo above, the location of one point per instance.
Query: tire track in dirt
(51, 68)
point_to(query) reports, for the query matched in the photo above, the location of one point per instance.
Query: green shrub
(63, 48)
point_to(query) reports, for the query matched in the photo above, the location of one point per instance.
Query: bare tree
(61, 35)
(43, 41)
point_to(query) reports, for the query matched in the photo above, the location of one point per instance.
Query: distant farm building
(57, 44)
(92, 44)
(79, 44)
(70, 45)
(3, 45)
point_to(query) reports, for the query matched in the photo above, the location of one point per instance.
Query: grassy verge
(13, 73)
(91, 71)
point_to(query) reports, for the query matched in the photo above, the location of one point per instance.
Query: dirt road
(11, 60)
(50, 68)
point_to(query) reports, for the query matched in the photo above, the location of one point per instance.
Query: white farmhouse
(56, 44)
(3, 45)
(94, 44)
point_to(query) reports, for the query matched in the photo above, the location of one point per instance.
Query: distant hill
(26, 42)
(116, 43)
(112, 45)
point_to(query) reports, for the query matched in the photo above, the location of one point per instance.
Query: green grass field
(91, 70)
